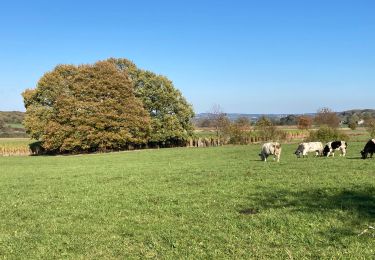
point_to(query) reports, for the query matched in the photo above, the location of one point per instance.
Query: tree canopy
(325, 116)
(108, 105)
(169, 111)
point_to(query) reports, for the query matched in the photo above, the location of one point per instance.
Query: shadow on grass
(357, 203)
(356, 200)
(354, 158)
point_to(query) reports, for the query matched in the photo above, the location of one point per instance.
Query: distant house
(360, 122)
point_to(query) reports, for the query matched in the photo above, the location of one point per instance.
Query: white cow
(272, 148)
(305, 148)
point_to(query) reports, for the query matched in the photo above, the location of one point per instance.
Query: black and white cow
(368, 149)
(333, 146)
(304, 148)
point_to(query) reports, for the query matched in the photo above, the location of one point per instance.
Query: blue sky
(246, 56)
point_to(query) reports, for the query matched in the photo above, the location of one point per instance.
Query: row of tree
(324, 116)
(109, 105)
(241, 130)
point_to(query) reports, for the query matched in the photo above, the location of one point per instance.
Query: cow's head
(277, 148)
(364, 155)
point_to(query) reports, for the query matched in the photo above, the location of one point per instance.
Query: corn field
(14, 146)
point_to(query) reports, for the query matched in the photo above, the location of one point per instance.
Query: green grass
(195, 203)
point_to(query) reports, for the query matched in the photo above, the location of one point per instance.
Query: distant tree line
(241, 130)
(109, 105)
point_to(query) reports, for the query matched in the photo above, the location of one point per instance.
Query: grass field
(215, 203)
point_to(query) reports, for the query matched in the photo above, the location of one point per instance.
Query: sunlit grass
(219, 202)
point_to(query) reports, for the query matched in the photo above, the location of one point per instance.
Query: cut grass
(219, 202)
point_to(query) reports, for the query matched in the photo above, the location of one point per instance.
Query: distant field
(14, 146)
(16, 126)
(359, 134)
(197, 203)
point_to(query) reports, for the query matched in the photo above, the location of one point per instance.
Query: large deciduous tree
(304, 122)
(85, 108)
(325, 116)
(109, 105)
(169, 111)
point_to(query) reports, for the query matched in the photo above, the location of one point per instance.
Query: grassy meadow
(215, 203)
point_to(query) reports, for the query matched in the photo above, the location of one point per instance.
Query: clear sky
(247, 56)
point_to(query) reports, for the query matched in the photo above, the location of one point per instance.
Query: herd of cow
(274, 148)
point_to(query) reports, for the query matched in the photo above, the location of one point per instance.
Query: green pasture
(195, 203)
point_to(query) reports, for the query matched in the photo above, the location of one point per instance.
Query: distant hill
(12, 117)
(11, 124)
(361, 113)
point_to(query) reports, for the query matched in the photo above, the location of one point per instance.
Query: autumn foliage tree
(108, 105)
(168, 110)
(304, 122)
(326, 117)
(85, 108)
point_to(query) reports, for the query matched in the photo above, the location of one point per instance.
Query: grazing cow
(268, 149)
(369, 149)
(331, 147)
(37, 148)
(305, 148)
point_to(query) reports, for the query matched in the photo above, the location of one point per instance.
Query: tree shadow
(354, 158)
(360, 200)
(357, 201)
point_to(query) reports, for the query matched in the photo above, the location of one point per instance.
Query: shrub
(370, 127)
(238, 135)
(352, 125)
(326, 134)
